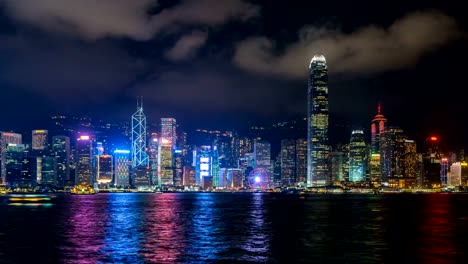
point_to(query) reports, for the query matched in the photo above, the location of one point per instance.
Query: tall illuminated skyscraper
(5, 139)
(288, 161)
(61, 152)
(317, 123)
(165, 162)
(39, 139)
(378, 128)
(105, 170)
(84, 171)
(139, 156)
(169, 130)
(357, 157)
(121, 168)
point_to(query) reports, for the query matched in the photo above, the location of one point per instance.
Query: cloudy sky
(232, 63)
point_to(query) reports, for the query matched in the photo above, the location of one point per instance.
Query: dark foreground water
(238, 227)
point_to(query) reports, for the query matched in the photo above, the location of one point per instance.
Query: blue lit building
(204, 163)
(122, 168)
(357, 157)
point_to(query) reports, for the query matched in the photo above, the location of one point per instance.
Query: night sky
(232, 63)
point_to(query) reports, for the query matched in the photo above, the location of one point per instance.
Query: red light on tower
(434, 138)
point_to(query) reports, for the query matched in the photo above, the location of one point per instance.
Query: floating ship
(82, 190)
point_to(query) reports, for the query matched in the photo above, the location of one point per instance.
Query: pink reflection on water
(84, 231)
(164, 230)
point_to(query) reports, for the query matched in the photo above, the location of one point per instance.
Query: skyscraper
(357, 157)
(61, 152)
(393, 157)
(39, 139)
(317, 123)
(84, 171)
(262, 157)
(301, 161)
(104, 170)
(378, 128)
(139, 156)
(288, 161)
(203, 164)
(169, 130)
(5, 139)
(121, 168)
(165, 162)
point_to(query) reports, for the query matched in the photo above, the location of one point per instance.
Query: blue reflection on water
(123, 229)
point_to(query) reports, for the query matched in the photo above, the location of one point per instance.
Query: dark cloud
(367, 50)
(187, 46)
(93, 19)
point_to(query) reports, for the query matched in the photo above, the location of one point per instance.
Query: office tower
(61, 152)
(31, 169)
(336, 159)
(141, 178)
(39, 139)
(5, 139)
(178, 167)
(301, 161)
(455, 174)
(165, 162)
(221, 178)
(393, 151)
(235, 179)
(153, 148)
(203, 163)
(14, 155)
(207, 182)
(288, 162)
(189, 176)
(84, 171)
(121, 168)
(444, 166)
(139, 156)
(431, 163)
(410, 165)
(317, 123)
(464, 174)
(357, 157)
(104, 170)
(245, 145)
(47, 170)
(215, 166)
(378, 127)
(262, 158)
(168, 130)
(99, 149)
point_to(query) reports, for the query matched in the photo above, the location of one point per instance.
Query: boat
(82, 190)
(30, 198)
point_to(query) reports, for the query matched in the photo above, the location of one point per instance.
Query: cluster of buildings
(149, 157)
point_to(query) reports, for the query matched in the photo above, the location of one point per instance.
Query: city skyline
(210, 73)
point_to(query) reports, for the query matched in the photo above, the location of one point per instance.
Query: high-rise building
(444, 170)
(431, 163)
(169, 130)
(178, 167)
(121, 168)
(454, 176)
(5, 139)
(262, 158)
(215, 166)
(141, 178)
(165, 162)
(105, 170)
(357, 157)
(245, 146)
(189, 176)
(14, 156)
(139, 156)
(204, 164)
(393, 158)
(410, 165)
(84, 171)
(317, 123)
(61, 152)
(153, 148)
(47, 170)
(378, 128)
(464, 174)
(336, 159)
(288, 162)
(39, 139)
(301, 161)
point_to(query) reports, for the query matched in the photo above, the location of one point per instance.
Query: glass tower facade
(139, 156)
(61, 152)
(317, 123)
(357, 157)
